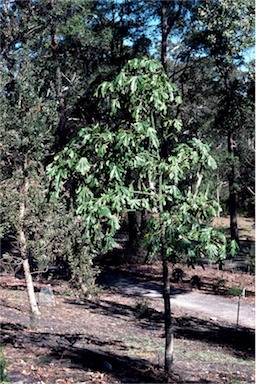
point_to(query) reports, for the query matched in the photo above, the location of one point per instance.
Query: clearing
(118, 337)
(77, 340)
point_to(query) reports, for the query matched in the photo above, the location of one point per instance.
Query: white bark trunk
(30, 289)
(169, 353)
(23, 250)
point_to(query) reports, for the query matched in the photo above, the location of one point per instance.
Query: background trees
(55, 54)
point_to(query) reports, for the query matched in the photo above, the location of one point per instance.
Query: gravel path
(216, 307)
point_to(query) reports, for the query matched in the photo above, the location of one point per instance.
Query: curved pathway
(218, 308)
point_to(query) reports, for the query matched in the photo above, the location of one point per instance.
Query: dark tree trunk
(165, 32)
(134, 225)
(168, 361)
(62, 128)
(232, 192)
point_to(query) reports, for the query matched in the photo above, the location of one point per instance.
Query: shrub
(142, 309)
(177, 275)
(235, 291)
(195, 281)
(3, 365)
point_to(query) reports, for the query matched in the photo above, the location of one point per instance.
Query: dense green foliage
(122, 167)
(84, 96)
(54, 56)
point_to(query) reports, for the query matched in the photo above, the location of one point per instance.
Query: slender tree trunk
(30, 288)
(23, 250)
(169, 339)
(134, 229)
(168, 359)
(232, 193)
(198, 183)
(165, 32)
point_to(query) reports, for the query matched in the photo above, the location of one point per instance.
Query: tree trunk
(165, 32)
(30, 288)
(168, 360)
(23, 250)
(134, 225)
(232, 193)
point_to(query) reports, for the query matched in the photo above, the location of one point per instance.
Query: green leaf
(104, 211)
(115, 104)
(133, 82)
(177, 124)
(151, 133)
(153, 65)
(114, 174)
(114, 222)
(212, 163)
(83, 166)
(178, 100)
(103, 88)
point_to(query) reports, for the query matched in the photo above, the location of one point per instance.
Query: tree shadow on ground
(87, 353)
(124, 283)
(238, 341)
(149, 318)
(63, 352)
(217, 286)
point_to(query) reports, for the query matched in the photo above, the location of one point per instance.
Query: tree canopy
(132, 108)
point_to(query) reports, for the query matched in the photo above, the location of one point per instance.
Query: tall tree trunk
(23, 249)
(165, 32)
(169, 338)
(232, 192)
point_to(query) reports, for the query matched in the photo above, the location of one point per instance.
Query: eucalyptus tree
(27, 125)
(203, 46)
(31, 119)
(53, 56)
(223, 31)
(122, 167)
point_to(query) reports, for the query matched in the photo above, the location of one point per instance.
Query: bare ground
(76, 340)
(119, 338)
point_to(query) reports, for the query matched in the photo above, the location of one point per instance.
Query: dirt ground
(246, 226)
(119, 338)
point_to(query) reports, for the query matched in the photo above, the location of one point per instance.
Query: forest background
(54, 56)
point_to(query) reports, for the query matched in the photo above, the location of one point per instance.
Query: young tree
(102, 158)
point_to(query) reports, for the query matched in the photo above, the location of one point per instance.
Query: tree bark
(30, 288)
(169, 339)
(232, 192)
(168, 359)
(23, 249)
(165, 32)
(134, 229)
